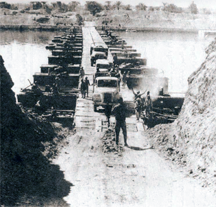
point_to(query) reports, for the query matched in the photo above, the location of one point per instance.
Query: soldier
(148, 104)
(115, 59)
(138, 107)
(36, 90)
(87, 84)
(82, 72)
(137, 95)
(119, 112)
(138, 103)
(83, 88)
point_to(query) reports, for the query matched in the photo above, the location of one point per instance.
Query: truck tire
(95, 108)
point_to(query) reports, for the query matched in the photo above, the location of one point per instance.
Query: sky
(182, 3)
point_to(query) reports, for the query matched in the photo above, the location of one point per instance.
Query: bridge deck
(85, 115)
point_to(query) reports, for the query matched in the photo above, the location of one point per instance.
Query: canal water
(24, 53)
(176, 54)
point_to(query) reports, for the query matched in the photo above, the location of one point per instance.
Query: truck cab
(106, 91)
(103, 64)
(97, 55)
(102, 68)
(99, 47)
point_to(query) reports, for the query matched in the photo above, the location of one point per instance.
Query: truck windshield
(107, 83)
(103, 66)
(100, 56)
(99, 49)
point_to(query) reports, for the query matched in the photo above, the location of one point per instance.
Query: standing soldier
(82, 72)
(115, 60)
(148, 104)
(138, 103)
(138, 107)
(36, 90)
(87, 84)
(137, 95)
(119, 112)
(83, 88)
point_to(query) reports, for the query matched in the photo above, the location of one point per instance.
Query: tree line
(94, 7)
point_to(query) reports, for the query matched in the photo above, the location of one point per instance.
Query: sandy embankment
(190, 140)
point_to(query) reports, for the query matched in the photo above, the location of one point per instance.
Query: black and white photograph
(108, 103)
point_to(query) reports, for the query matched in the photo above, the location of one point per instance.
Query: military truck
(99, 47)
(105, 91)
(97, 55)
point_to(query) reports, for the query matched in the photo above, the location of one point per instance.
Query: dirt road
(130, 176)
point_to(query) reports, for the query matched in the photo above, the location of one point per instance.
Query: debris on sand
(108, 142)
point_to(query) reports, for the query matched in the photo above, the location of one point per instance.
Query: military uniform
(119, 112)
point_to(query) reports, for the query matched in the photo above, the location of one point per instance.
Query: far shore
(16, 27)
(152, 29)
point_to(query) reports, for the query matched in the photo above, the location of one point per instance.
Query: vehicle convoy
(105, 91)
(54, 91)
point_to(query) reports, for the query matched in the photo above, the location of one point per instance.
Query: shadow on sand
(28, 178)
(139, 148)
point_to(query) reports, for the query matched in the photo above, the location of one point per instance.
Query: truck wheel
(95, 108)
(177, 110)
